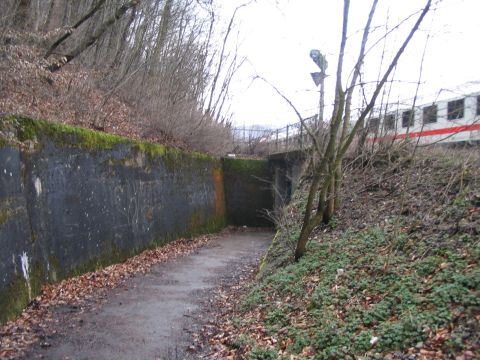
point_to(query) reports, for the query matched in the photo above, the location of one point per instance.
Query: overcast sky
(277, 36)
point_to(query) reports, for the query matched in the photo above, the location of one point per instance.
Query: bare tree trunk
(136, 51)
(330, 202)
(162, 32)
(123, 39)
(336, 183)
(66, 13)
(48, 21)
(329, 167)
(37, 15)
(20, 19)
(222, 58)
(69, 33)
(90, 40)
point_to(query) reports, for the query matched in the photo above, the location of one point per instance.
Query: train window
(455, 109)
(430, 114)
(390, 122)
(478, 105)
(373, 124)
(407, 118)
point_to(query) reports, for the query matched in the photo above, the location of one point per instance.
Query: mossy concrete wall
(249, 191)
(73, 199)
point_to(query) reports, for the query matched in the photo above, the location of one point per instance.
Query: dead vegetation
(142, 69)
(70, 97)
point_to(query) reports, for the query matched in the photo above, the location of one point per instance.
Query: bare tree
(67, 34)
(91, 39)
(22, 11)
(159, 57)
(326, 173)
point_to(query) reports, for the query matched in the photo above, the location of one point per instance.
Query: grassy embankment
(394, 276)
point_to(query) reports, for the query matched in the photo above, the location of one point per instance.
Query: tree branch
(90, 40)
(69, 33)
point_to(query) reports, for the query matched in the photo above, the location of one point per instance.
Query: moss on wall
(66, 135)
(62, 135)
(5, 215)
(126, 163)
(7, 210)
(246, 166)
(16, 297)
(4, 142)
(199, 225)
(235, 187)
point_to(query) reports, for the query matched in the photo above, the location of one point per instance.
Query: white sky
(277, 36)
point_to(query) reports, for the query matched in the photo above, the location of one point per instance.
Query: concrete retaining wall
(249, 191)
(73, 199)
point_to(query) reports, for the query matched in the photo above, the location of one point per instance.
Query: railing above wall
(266, 141)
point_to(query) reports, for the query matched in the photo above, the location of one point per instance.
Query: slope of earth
(394, 276)
(72, 96)
(150, 307)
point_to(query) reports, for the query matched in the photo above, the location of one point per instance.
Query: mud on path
(156, 315)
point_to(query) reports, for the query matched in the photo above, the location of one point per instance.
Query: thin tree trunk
(221, 58)
(20, 19)
(69, 33)
(393, 64)
(330, 202)
(162, 33)
(66, 13)
(90, 40)
(123, 39)
(48, 21)
(37, 16)
(135, 57)
(331, 162)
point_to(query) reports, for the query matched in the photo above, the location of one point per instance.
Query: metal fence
(264, 141)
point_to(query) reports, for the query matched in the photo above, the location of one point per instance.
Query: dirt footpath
(154, 316)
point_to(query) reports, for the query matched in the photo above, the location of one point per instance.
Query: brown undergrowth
(73, 96)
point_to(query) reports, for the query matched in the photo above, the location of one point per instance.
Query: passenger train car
(452, 120)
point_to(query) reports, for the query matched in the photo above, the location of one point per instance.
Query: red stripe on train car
(442, 131)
